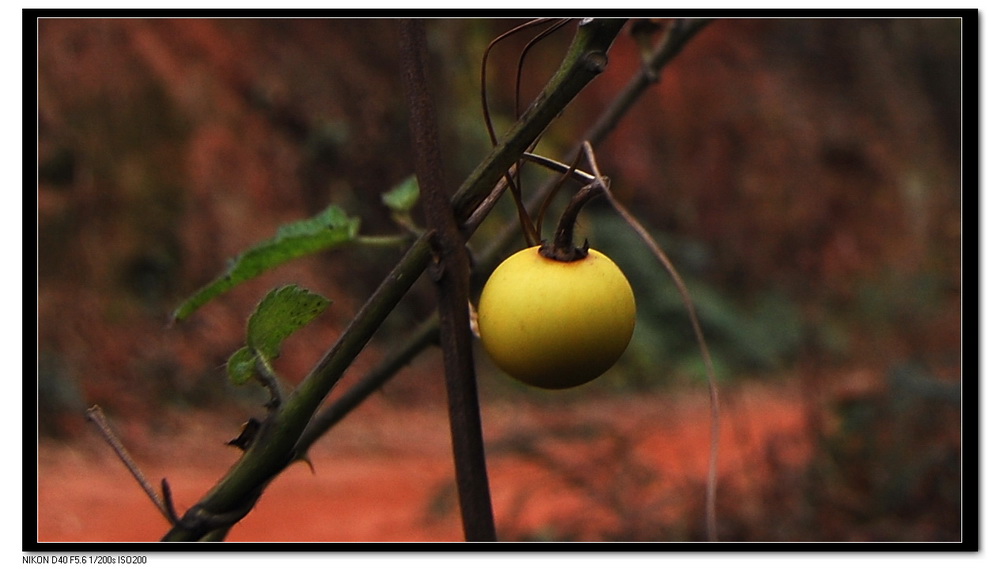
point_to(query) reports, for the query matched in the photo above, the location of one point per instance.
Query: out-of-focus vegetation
(804, 175)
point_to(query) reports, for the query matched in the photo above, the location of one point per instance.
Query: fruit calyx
(550, 250)
(562, 248)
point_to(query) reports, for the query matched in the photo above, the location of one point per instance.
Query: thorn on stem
(168, 502)
(247, 435)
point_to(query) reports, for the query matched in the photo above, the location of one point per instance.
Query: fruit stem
(562, 248)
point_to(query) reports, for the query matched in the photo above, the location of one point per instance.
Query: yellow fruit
(556, 324)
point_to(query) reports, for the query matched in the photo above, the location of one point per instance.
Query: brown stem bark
(451, 271)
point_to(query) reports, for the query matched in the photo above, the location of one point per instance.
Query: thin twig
(524, 54)
(96, 415)
(670, 46)
(535, 231)
(480, 213)
(570, 171)
(512, 177)
(551, 194)
(484, 100)
(713, 389)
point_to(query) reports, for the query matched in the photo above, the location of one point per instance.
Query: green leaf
(280, 314)
(241, 366)
(330, 228)
(403, 197)
(283, 311)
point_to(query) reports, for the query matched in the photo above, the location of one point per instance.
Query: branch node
(595, 61)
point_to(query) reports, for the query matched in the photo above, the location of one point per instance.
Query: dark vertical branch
(451, 272)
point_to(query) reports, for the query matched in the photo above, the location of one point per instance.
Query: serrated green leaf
(241, 366)
(283, 311)
(403, 197)
(330, 228)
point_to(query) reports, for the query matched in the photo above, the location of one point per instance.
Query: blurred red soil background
(610, 469)
(803, 174)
